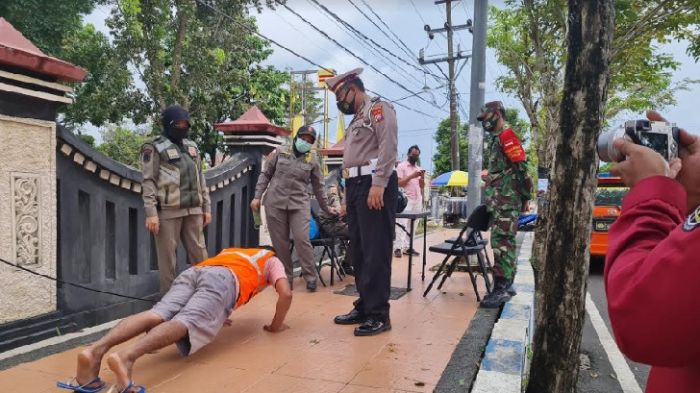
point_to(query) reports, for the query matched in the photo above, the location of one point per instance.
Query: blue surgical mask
(302, 146)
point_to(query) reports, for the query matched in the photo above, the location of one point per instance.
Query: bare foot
(121, 368)
(88, 367)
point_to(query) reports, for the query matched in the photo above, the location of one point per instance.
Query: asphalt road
(600, 377)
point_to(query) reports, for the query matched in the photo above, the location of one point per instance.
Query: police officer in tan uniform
(371, 199)
(284, 181)
(175, 195)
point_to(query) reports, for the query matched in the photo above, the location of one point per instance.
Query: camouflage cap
(337, 81)
(489, 107)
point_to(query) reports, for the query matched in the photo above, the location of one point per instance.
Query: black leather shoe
(311, 286)
(372, 327)
(351, 318)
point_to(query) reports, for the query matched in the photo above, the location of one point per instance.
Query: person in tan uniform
(371, 198)
(175, 195)
(284, 181)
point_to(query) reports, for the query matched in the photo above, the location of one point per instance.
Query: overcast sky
(406, 19)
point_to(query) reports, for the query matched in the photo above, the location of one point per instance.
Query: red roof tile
(18, 51)
(252, 120)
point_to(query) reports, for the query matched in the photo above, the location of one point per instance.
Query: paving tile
(394, 375)
(329, 366)
(368, 389)
(19, 379)
(284, 384)
(208, 378)
(314, 355)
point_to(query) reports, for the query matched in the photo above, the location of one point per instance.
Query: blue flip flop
(72, 385)
(127, 389)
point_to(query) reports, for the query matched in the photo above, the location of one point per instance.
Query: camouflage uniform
(507, 188)
(333, 224)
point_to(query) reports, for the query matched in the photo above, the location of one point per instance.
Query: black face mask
(412, 160)
(346, 107)
(177, 134)
(489, 125)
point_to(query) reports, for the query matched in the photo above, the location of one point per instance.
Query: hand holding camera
(654, 147)
(642, 162)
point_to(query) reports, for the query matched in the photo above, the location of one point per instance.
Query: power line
(363, 36)
(359, 39)
(405, 47)
(398, 45)
(354, 55)
(255, 32)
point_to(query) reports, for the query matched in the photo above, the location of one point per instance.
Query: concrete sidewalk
(315, 355)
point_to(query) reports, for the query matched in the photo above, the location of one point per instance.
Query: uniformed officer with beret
(371, 199)
(175, 195)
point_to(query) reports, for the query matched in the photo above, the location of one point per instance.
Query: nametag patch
(172, 154)
(693, 220)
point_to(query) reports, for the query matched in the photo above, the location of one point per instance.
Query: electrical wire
(365, 44)
(255, 32)
(323, 33)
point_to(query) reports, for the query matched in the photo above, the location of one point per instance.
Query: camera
(659, 136)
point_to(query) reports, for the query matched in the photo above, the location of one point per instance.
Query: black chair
(469, 242)
(328, 243)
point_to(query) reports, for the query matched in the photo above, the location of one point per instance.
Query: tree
(528, 37)
(313, 105)
(190, 53)
(88, 139)
(562, 291)
(47, 23)
(123, 145)
(442, 161)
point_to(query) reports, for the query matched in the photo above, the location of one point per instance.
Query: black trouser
(371, 240)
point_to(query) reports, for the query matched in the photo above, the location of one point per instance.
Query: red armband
(512, 147)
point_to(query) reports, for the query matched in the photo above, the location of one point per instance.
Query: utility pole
(303, 74)
(476, 133)
(450, 59)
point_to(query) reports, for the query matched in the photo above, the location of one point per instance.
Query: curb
(505, 365)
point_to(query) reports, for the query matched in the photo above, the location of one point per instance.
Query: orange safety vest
(248, 264)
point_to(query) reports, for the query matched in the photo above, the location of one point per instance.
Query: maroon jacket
(652, 281)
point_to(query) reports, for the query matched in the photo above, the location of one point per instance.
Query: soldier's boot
(499, 295)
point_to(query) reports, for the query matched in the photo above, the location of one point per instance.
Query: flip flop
(127, 389)
(72, 384)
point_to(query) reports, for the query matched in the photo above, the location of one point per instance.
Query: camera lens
(606, 151)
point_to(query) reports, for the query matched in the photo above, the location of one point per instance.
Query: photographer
(652, 266)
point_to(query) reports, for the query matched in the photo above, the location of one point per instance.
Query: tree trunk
(562, 290)
(177, 53)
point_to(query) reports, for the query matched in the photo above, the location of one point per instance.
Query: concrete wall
(27, 216)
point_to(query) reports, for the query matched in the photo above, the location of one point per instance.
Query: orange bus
(606, 209)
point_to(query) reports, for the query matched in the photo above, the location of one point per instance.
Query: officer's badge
(693, 220)
(193, 151)
(172, 154)
(377, 113)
